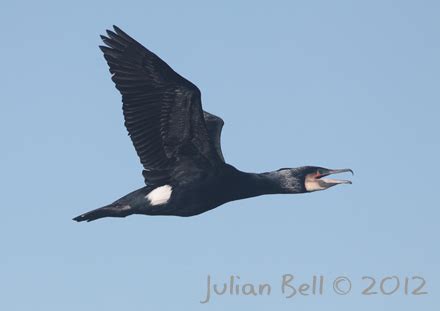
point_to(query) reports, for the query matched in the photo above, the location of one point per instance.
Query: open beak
(329, 182)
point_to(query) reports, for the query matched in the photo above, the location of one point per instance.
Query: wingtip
(117, 29)
(110, 33)
(122, 34)
(103, 48)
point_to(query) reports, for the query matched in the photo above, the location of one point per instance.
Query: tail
(112, 210)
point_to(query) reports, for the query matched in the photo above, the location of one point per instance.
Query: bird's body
(179, 144)
(195, 194)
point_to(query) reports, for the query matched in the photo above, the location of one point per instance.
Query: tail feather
(112, 210)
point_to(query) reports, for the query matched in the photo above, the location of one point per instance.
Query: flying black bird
(179, 144)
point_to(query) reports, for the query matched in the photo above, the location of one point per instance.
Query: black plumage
(178, 143)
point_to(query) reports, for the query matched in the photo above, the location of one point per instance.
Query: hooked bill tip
(347, 170)
(343, 170)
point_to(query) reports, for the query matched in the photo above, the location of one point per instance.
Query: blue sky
(329, 83)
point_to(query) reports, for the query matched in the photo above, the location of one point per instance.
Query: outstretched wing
(162, 110)
(214, 126)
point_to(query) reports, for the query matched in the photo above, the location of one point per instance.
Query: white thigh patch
(160, 195)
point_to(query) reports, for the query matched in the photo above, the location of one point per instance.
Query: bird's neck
(247, 185)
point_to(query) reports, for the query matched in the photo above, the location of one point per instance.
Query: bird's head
(310, 178)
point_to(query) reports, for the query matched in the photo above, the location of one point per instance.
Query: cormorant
(179, 144)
